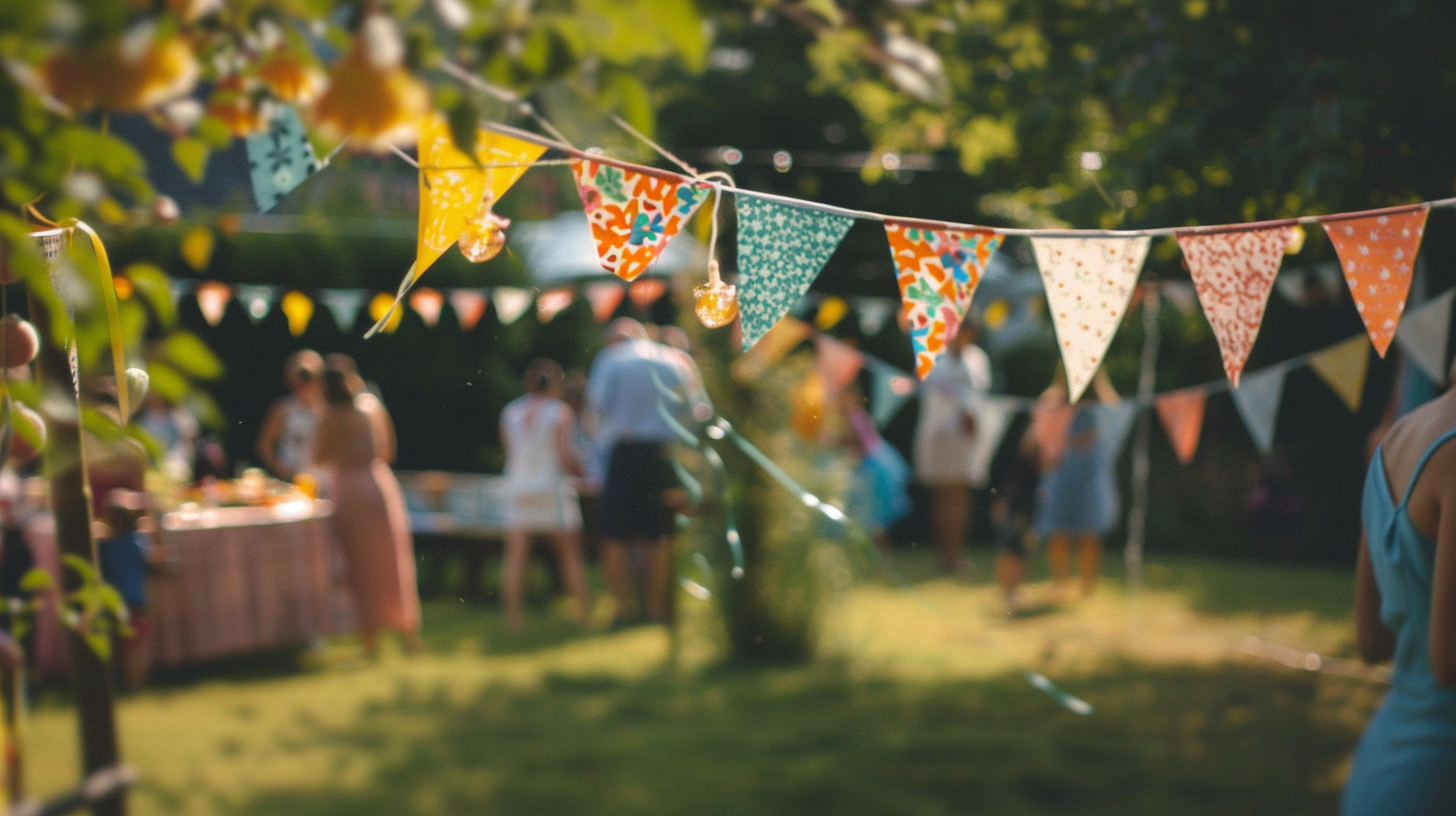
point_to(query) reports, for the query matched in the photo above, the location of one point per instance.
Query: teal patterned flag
(780, 251)
(890, 387)
(1257, 399)
(279, 158)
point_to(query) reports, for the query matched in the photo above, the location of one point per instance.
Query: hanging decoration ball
(484, 237)
(138, 383)
(715, 302)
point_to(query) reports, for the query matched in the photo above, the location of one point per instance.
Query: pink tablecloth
(233, 581)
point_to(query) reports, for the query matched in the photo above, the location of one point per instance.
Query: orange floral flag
(1181, 413)
(633, 214)
(1377, 255)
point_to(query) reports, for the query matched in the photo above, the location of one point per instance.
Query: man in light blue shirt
(639, 490)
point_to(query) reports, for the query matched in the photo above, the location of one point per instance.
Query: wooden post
(65, 469)
(1137, 516)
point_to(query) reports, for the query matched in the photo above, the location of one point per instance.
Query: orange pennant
(1181, 413)
(552, 302)
(1050, 422)
(605, 298)
(646, 291)
(427, 303)
(1377, 255)
(469, 306)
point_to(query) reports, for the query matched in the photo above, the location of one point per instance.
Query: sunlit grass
(914, 709)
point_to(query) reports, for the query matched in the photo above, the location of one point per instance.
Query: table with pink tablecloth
(230, 581)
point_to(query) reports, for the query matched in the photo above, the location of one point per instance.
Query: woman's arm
(1373, 639)
(564, 449)
(267, 445)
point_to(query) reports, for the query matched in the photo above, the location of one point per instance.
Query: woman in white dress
(286, 441)
(955, 440)
(541, 461)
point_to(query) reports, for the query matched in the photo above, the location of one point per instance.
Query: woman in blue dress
(1405, 609)
(1078, 500)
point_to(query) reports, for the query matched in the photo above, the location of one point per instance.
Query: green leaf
(191, 155)
(82, 567)
(213, 133)
(151, 282)
(187, 352)
(464, 117)
(36, 580)
(167, 381)
(100, 643)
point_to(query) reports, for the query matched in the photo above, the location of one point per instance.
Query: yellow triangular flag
(452, 186)
(1343, 367)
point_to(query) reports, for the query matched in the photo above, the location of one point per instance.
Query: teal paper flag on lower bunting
(890, 388)
(1257, 399)
(279, 158)
(780, 251)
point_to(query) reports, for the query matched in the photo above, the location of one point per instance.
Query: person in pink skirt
(369, 515)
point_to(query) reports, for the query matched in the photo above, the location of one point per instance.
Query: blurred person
(879, 494)
(175, 431)
(1012, 510)
(369, 515)
(1078, 498)
(116, 474)
(537, 431)
(639, 493)
(952, 455)
(286, 443)
(369, 401)
(1405, 609)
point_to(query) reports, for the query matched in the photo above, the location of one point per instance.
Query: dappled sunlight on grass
(914, 709)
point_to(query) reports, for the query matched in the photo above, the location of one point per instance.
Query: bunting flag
(552, 302)
(643, 293)
(469, 306)
(781, 249)
(1424, 332)
(382, 310)
(299, 310)
(212, 300)
(344, 305)
(1343, 367)
(890, 389)
(1234, 273)
(279, 158)
(831, 310)
(605, 298)
(1181, 413)
(993, 417)
(1089, 282)
(839, 363)
(428, 304)
(454, 188)
(510, 303)
(1377, 255)
(938, 271)
(783, 338)
(1114, 423)
(633, 214)
(872, 313)
(256, 300)
(1258, 404)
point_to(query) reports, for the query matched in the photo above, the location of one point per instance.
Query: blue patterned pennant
(780, 251)
(279, 158)
(890, 387)
(1257, 399)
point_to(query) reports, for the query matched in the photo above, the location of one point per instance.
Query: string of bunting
(1342, 366)
(784, 242)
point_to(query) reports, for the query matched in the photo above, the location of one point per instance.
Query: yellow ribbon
(108, 295)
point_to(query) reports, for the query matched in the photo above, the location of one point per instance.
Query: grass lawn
(916, 708)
